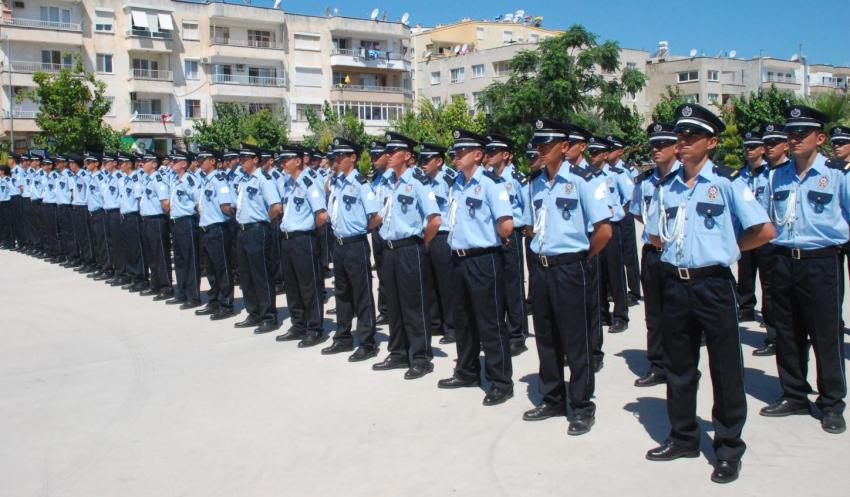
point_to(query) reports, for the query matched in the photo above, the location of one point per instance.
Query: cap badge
(539, 124)
(592, 140)
(657, 128)
(336, 142)
(795, 112)
(374, 144)
(528, 146)
(838, 130)
(456, 134)
(489, 138)
(769, 128)
(748, 135)
(687, 111)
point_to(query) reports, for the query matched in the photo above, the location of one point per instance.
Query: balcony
(24, 120)
(371, 93)
(149, 41)
(242, 85)
(248, 49)
(22, 71)
(151, 124)
(374, 59)
(151, 81)
(32, 31)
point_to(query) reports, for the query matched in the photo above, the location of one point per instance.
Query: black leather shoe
(148, 293)
(363, 353)
(163, 295)
(517, 348)
(726, 471)
(618, 326)
(833, 422)
(544, 411)
(222, 313)
(782, 408)
(192, 304)
(651, 379)
(447, 339)
(382, 319)
(332, 312)
(266, 326)
(290, 335)
(418, 370)
(632, 300)
(598, 365)
(280, 288)
(248, 322)
(94, 273)
(127, 285)
(176, 301)
(497, 396)
(207, 310)
(337, 348)
(120, 282)
(670, 451)
(744, 316)
(390, 363)
(102, 277)
(766, 350)
(138, 287)
(580, 425)
(310, 340)
(455, 382)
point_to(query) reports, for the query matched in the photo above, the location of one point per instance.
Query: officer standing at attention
(16, 201)
(256, 205)
(96, 214)
(839, 137)
(354, 213)
(534, 164)
(380, 175)
(60, 193)
(811, 206)
(131, 228)
(153, 207)
(411, 219)
(566, 201)
(480, 220)
(112, 186)
(627, 224)
(185, 190)
(499, 156)
(79, 179)
(662, 140)
(304, 212)
(696, 220)
(441, 277)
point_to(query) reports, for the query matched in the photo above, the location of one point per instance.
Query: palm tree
(834, 105)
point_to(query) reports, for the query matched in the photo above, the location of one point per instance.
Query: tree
(234, 124)
(834, 105)
(434, 124)
(665, 109)
(761, 107)
(266, 129)
(71, 106)
(324, 127)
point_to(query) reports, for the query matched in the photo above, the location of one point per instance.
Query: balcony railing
(373, 88)
(144, 33)
(153, 74)
(273, 45)
(39, 24)
(151, 118)
(23, 66)
(21, 114)
(368, 54)
(241, 79)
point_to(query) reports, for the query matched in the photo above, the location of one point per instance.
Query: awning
(140, 19)
(165, 23)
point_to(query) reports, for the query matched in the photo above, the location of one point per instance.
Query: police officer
(133, 257)
(442, 280)
(534, 165)
(480, 221)
(16, 202)
(112, 186)
(184, 196)
(80, 213)
(380, 186)
(153, 207)
(499, 156)
(703, 219)
(411, 219)
(38, 177)
(566, 201)
(353, 214)
(810, 204)
(59, 194)
(839, 137)
(27, 206)
(627, 224)
(96, 214)
(257, 203)
(214, 206)
(7, 239)
(662, 141)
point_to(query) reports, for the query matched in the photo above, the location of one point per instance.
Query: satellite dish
(276, 4)
(693, 52)
(457, 49)
(795, 58)
(509, 17)
(374, 14)
(464, 49)
(187, 132)
(519, 14)
(732, 54)
(405, 18)
(427, 54)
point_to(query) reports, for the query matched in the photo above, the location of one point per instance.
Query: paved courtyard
(105, 393)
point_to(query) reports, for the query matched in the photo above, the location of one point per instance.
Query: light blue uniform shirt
(215, 192)
(184, 196)
(474, 208)
(5, 189)
(702, 222)
(37, 188)
(278, 178)
(410, 202)
(52, 184)
(154, 190)
(758, 182)
(441, 186)
(620, 186)
(79, 187)
(514, 181)
(94, 197)
(112, 189)
(131, 192)
(16, 180)
(566, 209)
(257, 194)
(27, 177)
(302, 199)
(812, 212)
(644, 194)
(355, 204)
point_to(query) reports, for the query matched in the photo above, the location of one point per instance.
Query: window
(104, 63)
(139, 20)
(534, 38)
(371, 111)
(103, 21)
(713, 75)
(686, 76)
(478, 71)
(253, 108)
(500, 68)
(190, 69)
(479, 33)
(220, 35)
(149, 107)
(458, 75)
(342, 45)
(631, 65)
(19, 5)
(308, 76)
(306, 41)
(165, 23)
(507, 37)
(111, 111)
(260, 39)
(191, 31)
(301, 111)
(53, 60)
(436, 101)
(435, 78)
(692, 99)
(192, 109)
(713, 98)
(55, 15)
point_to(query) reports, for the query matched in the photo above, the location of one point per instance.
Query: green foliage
(235, 124)
(665, 109)
(434, 124)
(71, 109)
(325, 127)
(729, 143)
(763, 106)
(834, 105)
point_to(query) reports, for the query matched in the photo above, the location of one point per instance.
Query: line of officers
(448, 246)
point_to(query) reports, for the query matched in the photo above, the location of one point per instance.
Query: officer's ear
(821, 138)
(712, 142)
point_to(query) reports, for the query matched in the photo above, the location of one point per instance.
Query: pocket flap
(405, 199)
(781, 195)
(538, 203)
(348, 199)
(473, 202)
(566, 203)
(707, 209)
(819, 197)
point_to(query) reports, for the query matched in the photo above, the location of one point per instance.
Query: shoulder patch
(449, 179)
(308, 182)
(841, 165)
(535, 174)
(617, 170)
(492, 176)
(275, 174)
(361, 179)
(158, 177)
(267, 175)
(726, 172)
(311, 173)
(582, 173)
(190, 181)
(221, 176)
(644, 176)
(451, 172)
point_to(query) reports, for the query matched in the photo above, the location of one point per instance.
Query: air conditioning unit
(205, 60)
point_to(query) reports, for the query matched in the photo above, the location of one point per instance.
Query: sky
(712, 27)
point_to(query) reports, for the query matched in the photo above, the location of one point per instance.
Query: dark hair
(6, 170)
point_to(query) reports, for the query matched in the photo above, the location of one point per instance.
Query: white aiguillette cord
(790, 216)
(678, 234)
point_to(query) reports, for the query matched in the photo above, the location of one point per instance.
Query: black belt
(684, 273)
(560, 259)
(155, 216)
(473, 252)
(211, 226)
(441, 233)
(247, 226)
(404, 242)
(181, 218)
(287, 235)
(60, 206)
(36, 201)
(96, 212)
(110, 211)
(78, 207)
(798, 254)
(351, 239)
(131, 213)
(648, 247)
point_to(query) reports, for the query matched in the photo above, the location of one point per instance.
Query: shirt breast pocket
(711, 215)
(405, 201)
(819, 200)
(298, 202)
(566, 206)
(473, 205)
(349, 200)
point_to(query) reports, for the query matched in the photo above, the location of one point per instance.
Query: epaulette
(308, 182)
(221, 176)
(450, 180)
(135, 178)
(535, 174)
(190, 181)
(640, 178)
(311, 173)
(421, 176)
(521, 178)
(451, 172)
(617, 170)
(841, 165)
(727, 172)
(267, 175)
(275, 174)
(361, 179)
(158, 177)
(595, 172)
(582, 173)
(492, 176)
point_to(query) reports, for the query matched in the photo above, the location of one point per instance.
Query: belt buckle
(242, 227)
(544, 261)
(461, 252)
(795, 254)
(390, 244)
(684, 273)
